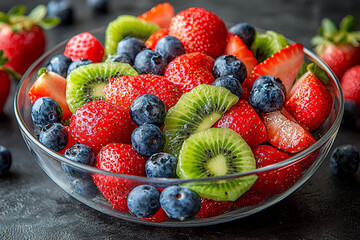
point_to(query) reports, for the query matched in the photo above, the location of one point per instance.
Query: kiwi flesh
(212, 153)
(267, 43)
(86, 83)
(127, 25)
(195, 111)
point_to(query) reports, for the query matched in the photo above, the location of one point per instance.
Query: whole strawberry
(123, 159)
(200, 31)
(350, 84)
(5, 82)
(98, 123)
(22, 37)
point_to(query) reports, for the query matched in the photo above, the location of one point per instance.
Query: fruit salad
(180, 96)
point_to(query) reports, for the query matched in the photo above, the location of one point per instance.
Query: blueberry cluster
(63, 65)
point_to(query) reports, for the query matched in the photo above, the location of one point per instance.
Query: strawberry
(235, 46)
(123, 159)
(200, 31)
(84, 46)
(338, 47)
(155, 37)
(283, 64)
(97, 123)
(274, 181)
(310, 103)
(50, 84)
(159, 216)
(211, 208)
(123, 90)
(161, 14)
(22, 37)
(190, 70)
(71, 141)
(246, 94)
(249, 198)
(5, 81)
(243, 119)
(285, 133)
(350, 84)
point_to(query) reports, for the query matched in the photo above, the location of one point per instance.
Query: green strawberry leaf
(49, 22)
(348, 24)
(42, 70)
(319, 73)
(17, 10)
(4, 18)
(38, 13)
(328, 27)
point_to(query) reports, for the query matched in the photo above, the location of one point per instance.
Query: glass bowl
(87, 193)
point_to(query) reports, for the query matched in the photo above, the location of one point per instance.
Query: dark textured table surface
(325, 207)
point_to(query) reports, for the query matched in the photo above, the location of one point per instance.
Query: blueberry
(149, 62)
(80, 153)
(100, 6)
(267, 94)
(76, 64)
(148, 139)
(122, 58)
(161, 165)
(230, 83)
(169, 48)
(148, 108)
(345, 160)
(351, 114)
(245, 31)
(130, 46)
(46, 110)
(54, 136)
(179, 202)
(229, 65)
(143, 201)
(59, 64)
(61, 9)
(5, 160)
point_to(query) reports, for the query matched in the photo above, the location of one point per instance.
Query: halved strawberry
(243, 119)
(155, 37)
(211, 208)
(285, 133)
(50, 84)
(161, 14)
(236, 47)
(249, 198)
(284, 64)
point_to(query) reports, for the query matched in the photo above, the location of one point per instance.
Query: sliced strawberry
(284, 64)
(249, 198)
(160, 14)
(235, 46)
(243, 119)
(211, 208)
(158, 217)
(275, 181)
(311, 102)
(50, 84)
(286, 134)
(155, 37)
(123, 159)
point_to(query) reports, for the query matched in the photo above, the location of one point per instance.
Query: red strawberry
(71, 141)
(246, 94)
(50, 84)
(274, 181)
(350, 84)
(123, 159)
(310, 103)
(235, 46)
(155, 37)
(123, 90)
(243, 119)
(285, 133)
(200, 31)
(190, 70)
(284, 64)
(161, 14)
(211, 208)
(84, 46)
(98, 123)
(249, 198)
(5, 82)
(159, 216)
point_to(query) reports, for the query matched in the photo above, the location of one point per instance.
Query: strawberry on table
(155, 37)
(211, 208)
(350, 84)
(161, 14)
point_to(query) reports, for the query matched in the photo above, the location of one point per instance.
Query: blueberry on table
(230, 83)
(80, 153)
(5, 160)
(345, 160)
(130, 46)
(100, 6)
(148, 139)
(161, 165)
(77, 64)
(54, 136)
(143, 201)
(46, 110)
(61, 9)
(180, 202)
(169, 48)
(245, 31)
(122, 58)
(351, 114)
(149, 62)
(226, 65)
(59, 64)
(148, 108)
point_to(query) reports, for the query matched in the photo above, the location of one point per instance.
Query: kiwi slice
(268, 43)
(217, 152)
(86, 83)
(127, 25)
(195, 111)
